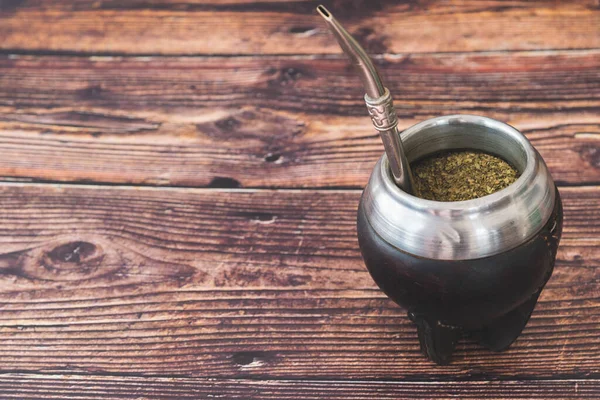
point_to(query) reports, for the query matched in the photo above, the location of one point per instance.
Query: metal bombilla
(379, 102)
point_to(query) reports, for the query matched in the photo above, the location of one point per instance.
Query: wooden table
(180, 181)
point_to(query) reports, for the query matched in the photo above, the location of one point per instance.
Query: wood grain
(29, 387)
(141, 292)
(221, 283)
(293, 27)
(275, 121)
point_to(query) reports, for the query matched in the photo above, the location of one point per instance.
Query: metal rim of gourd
(464, 229)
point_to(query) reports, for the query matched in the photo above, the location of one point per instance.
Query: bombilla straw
(379, 102)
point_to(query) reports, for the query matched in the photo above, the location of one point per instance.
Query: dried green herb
(461, 175)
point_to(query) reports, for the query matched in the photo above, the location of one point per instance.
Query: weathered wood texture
(30, 387)
(293, 27)
(275, 122)
(235, 284)
(253, 294)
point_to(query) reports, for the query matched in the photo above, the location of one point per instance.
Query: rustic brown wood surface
(290, 27)
(272, 121)
(260, 283)
(29, 387)
(180, 181)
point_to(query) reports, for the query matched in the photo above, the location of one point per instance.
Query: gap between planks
(284, 56)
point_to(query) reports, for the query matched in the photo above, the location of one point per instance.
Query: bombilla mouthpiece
(357, 55)
(379, 102)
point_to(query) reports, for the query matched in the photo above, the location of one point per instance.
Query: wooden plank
(275, 122)
(30, 386)
(293, 27)
(247, 283)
